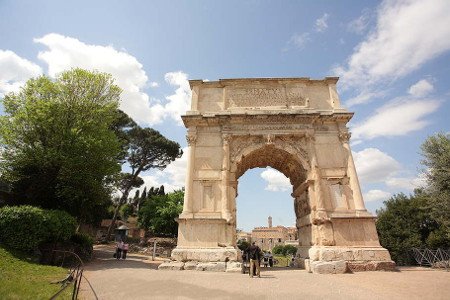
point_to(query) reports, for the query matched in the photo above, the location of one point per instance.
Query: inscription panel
(266, 97)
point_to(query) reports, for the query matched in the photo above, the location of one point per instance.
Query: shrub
(284, 250)
(25, 227)
(84, 243)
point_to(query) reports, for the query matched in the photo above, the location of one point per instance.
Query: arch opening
(291, 167)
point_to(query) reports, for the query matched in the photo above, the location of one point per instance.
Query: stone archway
(297, 126)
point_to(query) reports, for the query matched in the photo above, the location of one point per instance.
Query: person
(270, 259)
(119, 249)
(124, 251)
(255, 258)
(266, 259)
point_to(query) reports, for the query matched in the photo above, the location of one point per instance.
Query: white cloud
(399, 117)
(15, 71)
(179, 102)
(406, 183)
(421, 88)
(276, 181)
(321, 24)
(376, 195)
(373, 165)
(176, 171)
(154, 84)
(359, 24)
(407, 35)
(65, 53)
(364, 97)
(299, 41)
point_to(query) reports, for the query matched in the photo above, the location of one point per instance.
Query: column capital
(345, 136)
(226, 138)
(191, 138)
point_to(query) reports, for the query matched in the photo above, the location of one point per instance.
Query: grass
(21, 278)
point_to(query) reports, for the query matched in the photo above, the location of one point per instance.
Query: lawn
(21, 278)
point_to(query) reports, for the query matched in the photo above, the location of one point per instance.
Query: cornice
(227, 118)
(252, 81)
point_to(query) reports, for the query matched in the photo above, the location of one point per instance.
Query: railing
(439, 258)
(73, 278)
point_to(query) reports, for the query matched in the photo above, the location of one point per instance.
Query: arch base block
(357, 258)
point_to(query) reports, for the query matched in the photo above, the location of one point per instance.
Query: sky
(392, 57)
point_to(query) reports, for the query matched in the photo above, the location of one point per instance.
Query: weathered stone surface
(173, 265)
(371, 266)
(234, 267)
(329, 267)
(211, 266)
(204, 255)
(190, 265)
(295, 125)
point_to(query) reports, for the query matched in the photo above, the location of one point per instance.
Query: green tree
(59, 146)
(158, 213)
(405, 223)
(243, 244)
(126, 210)
(436, 154)
(147, 149)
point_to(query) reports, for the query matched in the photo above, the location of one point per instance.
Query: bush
(85, 243)
(25, 227)
(284, 250)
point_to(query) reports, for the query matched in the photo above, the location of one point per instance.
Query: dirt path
(138, 278)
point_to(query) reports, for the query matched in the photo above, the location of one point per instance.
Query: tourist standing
(124, 251)
(255, 258)
(119, 249)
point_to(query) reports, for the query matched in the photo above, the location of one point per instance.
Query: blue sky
(392, 56)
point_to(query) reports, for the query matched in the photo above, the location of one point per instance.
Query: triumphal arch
(296, 126)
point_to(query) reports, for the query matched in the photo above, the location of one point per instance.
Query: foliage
(436, 154)
(21, 278)
(59, 144)
(147, 149)
(284, 250)
(406, 222)
(85, 243)
(158, 213)
(25, 227)
(126, 210)
(243, 244)
(421, 219)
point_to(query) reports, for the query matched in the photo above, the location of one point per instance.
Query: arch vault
(297, 126)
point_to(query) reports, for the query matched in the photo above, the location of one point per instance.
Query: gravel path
(138, 278)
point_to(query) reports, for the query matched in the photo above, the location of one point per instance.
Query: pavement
(137, 277)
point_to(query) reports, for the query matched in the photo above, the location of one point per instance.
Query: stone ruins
(296, 126)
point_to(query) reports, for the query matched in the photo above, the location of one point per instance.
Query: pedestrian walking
(255, 259)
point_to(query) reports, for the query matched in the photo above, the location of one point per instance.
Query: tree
(59, 146)
(126, 210)
(243, 244)
(405, 223)
(436, 154)
(147, 149)
(158, 213)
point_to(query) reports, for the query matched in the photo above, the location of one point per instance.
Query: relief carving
(191, 138)
(344, 137)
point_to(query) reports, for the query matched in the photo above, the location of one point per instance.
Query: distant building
(268, 237)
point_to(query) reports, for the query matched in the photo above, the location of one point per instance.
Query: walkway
(138, 278)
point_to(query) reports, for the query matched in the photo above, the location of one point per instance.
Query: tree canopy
(59, 146)
(147, 149)
(436, 159)
(421, 219)
(159, 211)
